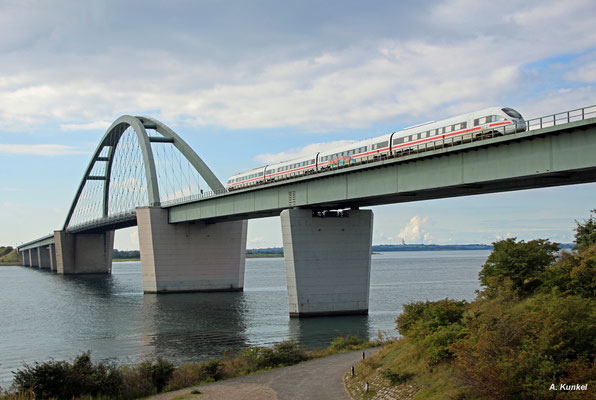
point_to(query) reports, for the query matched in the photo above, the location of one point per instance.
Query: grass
(401, 370)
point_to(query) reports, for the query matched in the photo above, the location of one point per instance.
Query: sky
(247, 83)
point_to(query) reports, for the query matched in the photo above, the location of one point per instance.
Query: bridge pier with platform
(327, 256)
(84, 253)
(192, 256)
(44, 258)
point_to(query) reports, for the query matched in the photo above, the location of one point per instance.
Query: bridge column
(43, 254)
(25, 256)
(190, 256)
(84, 253)
(52, 249)
(327, 261)
(33, 258)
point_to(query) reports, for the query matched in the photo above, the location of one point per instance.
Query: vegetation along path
(321, 378)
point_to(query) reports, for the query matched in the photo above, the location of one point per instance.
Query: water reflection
(90, 284)
(320, 331)
(193, 326)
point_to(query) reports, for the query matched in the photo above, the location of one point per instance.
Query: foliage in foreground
(83, 379)
(533, 326)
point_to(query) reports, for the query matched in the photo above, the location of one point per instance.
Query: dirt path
(315, 379)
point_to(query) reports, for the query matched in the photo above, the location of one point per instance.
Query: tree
(518, 264)
(585, 234)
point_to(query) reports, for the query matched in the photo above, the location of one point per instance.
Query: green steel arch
(140, 124)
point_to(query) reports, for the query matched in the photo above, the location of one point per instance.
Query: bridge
(194, 239)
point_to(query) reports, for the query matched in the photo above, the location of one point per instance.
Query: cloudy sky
(252, 82)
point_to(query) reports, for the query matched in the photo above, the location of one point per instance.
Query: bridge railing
(565, 117)
(110, 219)
(198, 196)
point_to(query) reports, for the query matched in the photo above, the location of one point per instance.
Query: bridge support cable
(328, 258)
(139, 162)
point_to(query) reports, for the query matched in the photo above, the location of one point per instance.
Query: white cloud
(325, 87)
(413, 232)
(40, 149)
(311, 149)
(585, 73)
(96, 125)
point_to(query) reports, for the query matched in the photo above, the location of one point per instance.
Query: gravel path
(321, 378)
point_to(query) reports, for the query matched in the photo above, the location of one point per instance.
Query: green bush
(346, 342)
(574, 274)
(433, 326)
(585, 233)
(283, 353)
(518, 349)
(194, 374)
(520, 263)
(60, 379)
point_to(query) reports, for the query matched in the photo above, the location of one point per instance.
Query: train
(466, 127)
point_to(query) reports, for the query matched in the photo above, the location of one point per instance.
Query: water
(44, 315)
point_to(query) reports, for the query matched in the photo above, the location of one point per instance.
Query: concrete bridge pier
(52, 249)
(33, 258)
(327, 260)
(43, 254)
(84, 253)
(190, 256)
(25, 256)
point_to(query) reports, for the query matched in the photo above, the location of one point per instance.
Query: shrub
(585, 233)
(517, 349)
(346, 342)
(574, 274)
(60, 379)
(194, 374)
(433, 326)
(520, 262)
(283, 353)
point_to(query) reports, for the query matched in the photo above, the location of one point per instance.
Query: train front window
(511, 112)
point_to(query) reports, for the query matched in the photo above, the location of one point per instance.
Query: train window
(489, 118)
(443, 130)
(410, 138)
(477, 122)
(511, 112)
(418, 136)
(464, 125)
(398, 140)
(454, 127)
(380, 145)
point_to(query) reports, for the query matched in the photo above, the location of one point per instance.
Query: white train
(466, 127)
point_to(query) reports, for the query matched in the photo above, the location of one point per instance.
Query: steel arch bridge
(125, 172)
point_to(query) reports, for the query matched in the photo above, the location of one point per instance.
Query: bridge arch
(106, 152)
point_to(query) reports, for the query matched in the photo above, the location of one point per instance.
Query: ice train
(466, 127)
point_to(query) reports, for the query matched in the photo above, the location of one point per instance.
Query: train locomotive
(474, 125)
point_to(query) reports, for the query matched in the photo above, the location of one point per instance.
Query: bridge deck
(558, 155)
